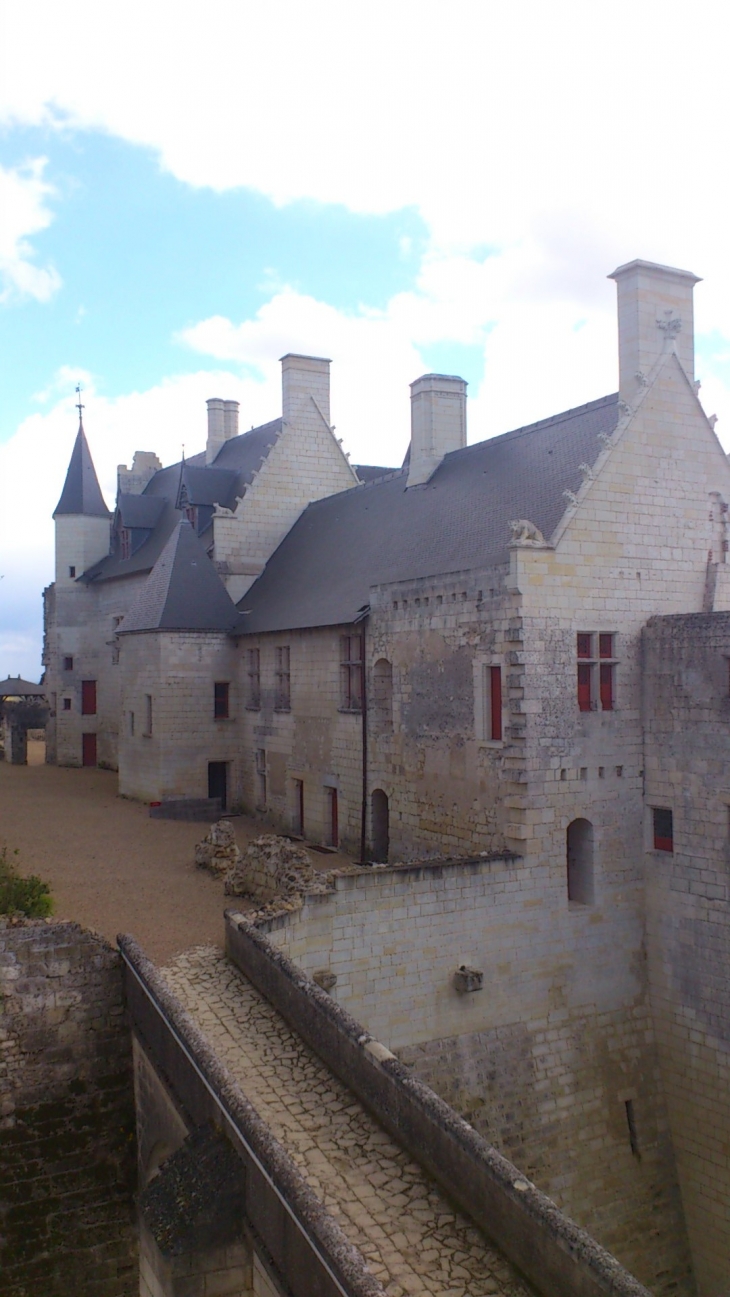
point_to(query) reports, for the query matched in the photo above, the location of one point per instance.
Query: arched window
(382, 699)
(380, 818)
(580, 862)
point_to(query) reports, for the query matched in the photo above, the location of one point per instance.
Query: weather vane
(79, 406)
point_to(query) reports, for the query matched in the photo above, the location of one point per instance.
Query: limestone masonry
(501, 671)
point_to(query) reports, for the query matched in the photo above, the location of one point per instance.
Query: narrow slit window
(351, 673)
(220, 700)
(631, 1123)
(148, 713)
(606, 669)
(663, 829)
(253, 672)
(283, 679)
(492, 727)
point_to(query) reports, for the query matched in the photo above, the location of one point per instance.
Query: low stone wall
(560, 1259)
(67, 1153)
(284, 1216)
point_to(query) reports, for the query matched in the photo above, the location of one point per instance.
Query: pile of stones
(275, 867)
(218, 851)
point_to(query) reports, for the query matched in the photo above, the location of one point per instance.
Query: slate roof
(231, 472)
(139, 510)
(183, 590)
(369, 472)
(322, 572)
(209, 485)
(81, 492)
(14, 687)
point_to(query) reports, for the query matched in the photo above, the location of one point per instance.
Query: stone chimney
(655, 314)
(216, 428)
(305, 389)
(230, 419)
(438, 423)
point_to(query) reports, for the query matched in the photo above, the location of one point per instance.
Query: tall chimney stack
(216, 428)
(655, 314)
(305, 390)
(230, 419)
(438, 423)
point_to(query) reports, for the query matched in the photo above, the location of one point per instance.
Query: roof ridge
(562, 417)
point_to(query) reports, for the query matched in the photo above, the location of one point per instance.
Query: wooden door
(88, 749)
(88, 698)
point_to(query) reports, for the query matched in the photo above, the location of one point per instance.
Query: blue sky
(185, 198)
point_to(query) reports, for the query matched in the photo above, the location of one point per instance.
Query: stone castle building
(513, 653)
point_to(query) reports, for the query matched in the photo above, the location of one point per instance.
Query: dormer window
(191, 513)
(125, 542)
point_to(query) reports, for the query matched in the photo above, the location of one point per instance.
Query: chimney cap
(638, 264)
(438, 378)
(298, 355)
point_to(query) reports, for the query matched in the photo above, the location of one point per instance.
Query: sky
(189, 192)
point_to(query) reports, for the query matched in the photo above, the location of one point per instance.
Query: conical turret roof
(183, 591)
(81, 492)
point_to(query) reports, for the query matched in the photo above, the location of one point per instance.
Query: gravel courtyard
(111, 867)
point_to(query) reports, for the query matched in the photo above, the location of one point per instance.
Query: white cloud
(564, 139)
(493, 122)
(23, 213)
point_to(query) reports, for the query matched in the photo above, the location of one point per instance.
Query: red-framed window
(663, 828)
(596, 654)
(495, 702)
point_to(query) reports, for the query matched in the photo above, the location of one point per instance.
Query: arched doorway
(579, 851)
(380, 825)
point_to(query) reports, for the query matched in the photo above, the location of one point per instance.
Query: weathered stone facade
(544, 1058)
(66, 1117)
(686, 706)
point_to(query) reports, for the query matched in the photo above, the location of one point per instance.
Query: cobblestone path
(415, 1242)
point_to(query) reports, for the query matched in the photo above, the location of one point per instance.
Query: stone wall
(432, 753)
(177, 670)
(305, 463)
(67, 1162)
(687, 717)
(80, 622)
(315, 742)
(544, 1058)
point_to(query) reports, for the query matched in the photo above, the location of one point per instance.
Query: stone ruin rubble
(274, 867)
(218, 852)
